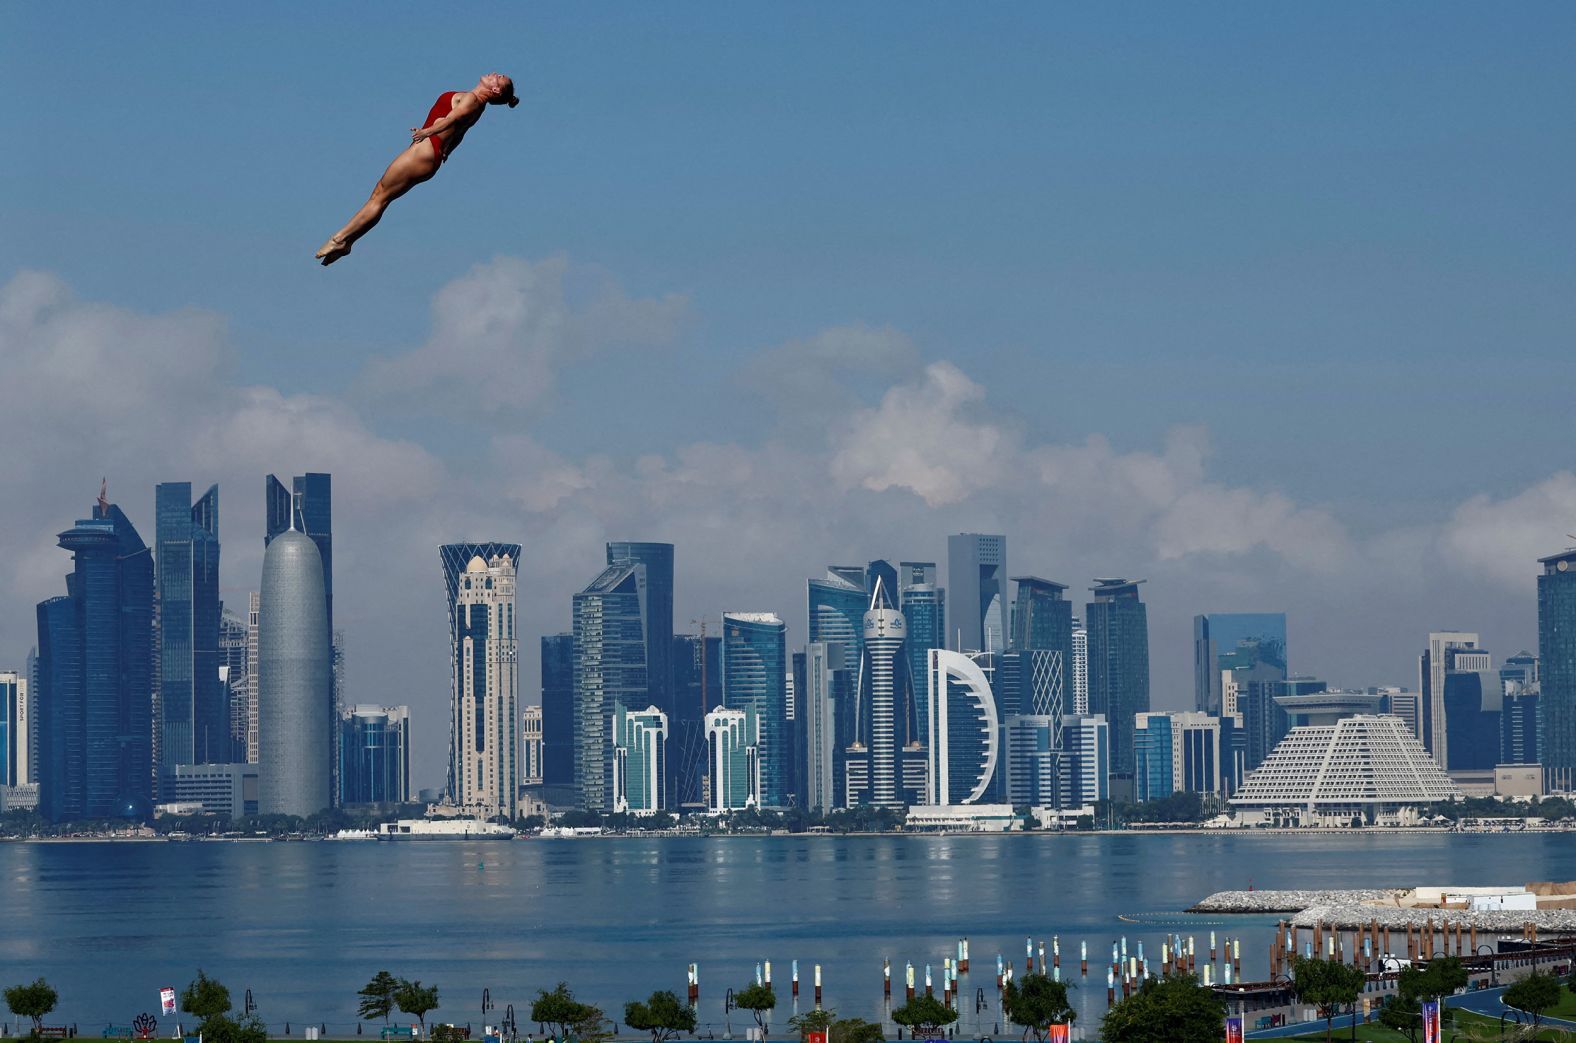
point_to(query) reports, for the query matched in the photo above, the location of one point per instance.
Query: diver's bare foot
(332, 250)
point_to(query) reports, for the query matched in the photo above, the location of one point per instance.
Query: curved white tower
(295, 676)
(963, 733)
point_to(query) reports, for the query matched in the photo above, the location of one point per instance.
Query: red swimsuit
(440, 108)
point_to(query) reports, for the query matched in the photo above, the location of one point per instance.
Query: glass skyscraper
(1042, 617)
(977, 579)
(558, 710)
(1518, 722)
(1118, 625)
(697, 690)
(194, 708)
(1557, 666)
(658, 611)
(609, 673)
(374, 755)
(13, 729)
(755, 679)
(94, 694)
(924, 606)
(837, 609)
(640, 761)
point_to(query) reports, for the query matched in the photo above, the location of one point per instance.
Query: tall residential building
(977, 578)
(1438, 658)
(295, 681)
(374, 755)
(194, 711)
(964, 738)
(14, 729)
(485, 703)
(657, 610)
(1118, 625)
(1086, 760)
(697, 687)
(733, 737)
(32, 714)
(640, 760)
(308, 507)
(924, 606)
(609, 672)
(1239, 647)
(754, 675)
(94, 696)
(253, 626)
(1080, 667)
(558, 709)
(455, 558)
(1557, 666)
(531, 746)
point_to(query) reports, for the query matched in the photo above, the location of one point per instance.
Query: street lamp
(1493, 964)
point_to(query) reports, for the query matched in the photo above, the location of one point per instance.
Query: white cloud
(1502, 539)
(501, 333)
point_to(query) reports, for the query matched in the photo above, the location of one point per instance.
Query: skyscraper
(1079, 669)
(1086, 760)
(486, 702)
(964, 739)
(924, 606)
(1518, 728)
(837, 608)
(1250, 646)
(308, 507)
(233, 679)
(558, 709)
(883, 697)
(1437, 659)
(374, 755)
(295, 681)
(455, 558)
(253, 627)
(531, 746)
(1042, 617)
(828, 684)
(94, 696)
(977, 579)
(735, 776)
(1557, 666)
(13, 729)
(194, 709)
(1118, 625)
(609, 673)
(1177, 752)
(640, 760)
(697, 688)
(1032, 760)
(657, 597)
(754, 678)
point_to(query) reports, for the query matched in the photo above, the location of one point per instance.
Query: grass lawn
(1467, 1027)
(1566, 1007)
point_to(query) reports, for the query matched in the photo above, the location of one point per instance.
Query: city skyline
(1060, 275)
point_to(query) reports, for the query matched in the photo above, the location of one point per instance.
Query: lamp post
(248, 1007)
(1493, 964)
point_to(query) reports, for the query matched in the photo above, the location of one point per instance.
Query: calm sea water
(304, 925)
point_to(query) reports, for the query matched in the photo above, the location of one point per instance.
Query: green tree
(377, 998)
(1173, 1009)
(1403, 1013)
(560, 1010)
(1327, 984)
(32, 1001)
(924, 1014)
(1036, 1002)
(758, 1000)
(817, 1020)
(221, 1028)
(662, 1015)
(205, 998)
(413, 997)
(1534, 994)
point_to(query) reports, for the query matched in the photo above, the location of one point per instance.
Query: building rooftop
(769, 618)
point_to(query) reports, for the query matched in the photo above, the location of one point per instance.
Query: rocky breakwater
(1288, 901)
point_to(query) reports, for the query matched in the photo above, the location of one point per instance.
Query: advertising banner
(1234, 1029)
(167, 1000)
(1059, 1034)
(1431, 1022)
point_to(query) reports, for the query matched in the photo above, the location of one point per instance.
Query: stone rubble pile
(1287, 901)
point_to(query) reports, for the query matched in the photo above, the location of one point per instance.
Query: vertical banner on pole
(1431, 1021)
(1234, 1029)
(167, 1000)
(1058, 1034)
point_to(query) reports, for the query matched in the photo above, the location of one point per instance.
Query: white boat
(444, 829)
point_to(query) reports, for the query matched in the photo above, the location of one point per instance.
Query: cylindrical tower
(295, 674)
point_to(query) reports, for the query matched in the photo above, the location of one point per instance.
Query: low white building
(962, 818)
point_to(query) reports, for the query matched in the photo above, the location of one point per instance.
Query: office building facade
(640, 760)
(609, 672)
(924, 607)
(374, 755)
(733, 739)
(657, 611)
(977, 581)
(531, 746)
(94, 695)
(193, 707)
(964, 742)
(15, 730)
(1118, 624)
(558, 709)
(754, 678)
(697, 687)
(1437, 660)
(1085, 761)
(485, 703)
(1557, 667)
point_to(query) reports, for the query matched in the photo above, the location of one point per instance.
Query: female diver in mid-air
(454, 113)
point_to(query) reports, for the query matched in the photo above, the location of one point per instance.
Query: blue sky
(1331, 243)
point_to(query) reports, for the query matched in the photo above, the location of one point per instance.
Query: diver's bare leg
(409, 169)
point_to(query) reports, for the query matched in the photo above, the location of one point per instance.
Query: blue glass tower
(924, 606)
(697, 690)
(1557, 666)
(755, 680)
(1252, 645)
(374, 755)
(609, 673)
(558, 710)
(194, 708)
(95, 670)
(1118, 625)
(658, 612)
